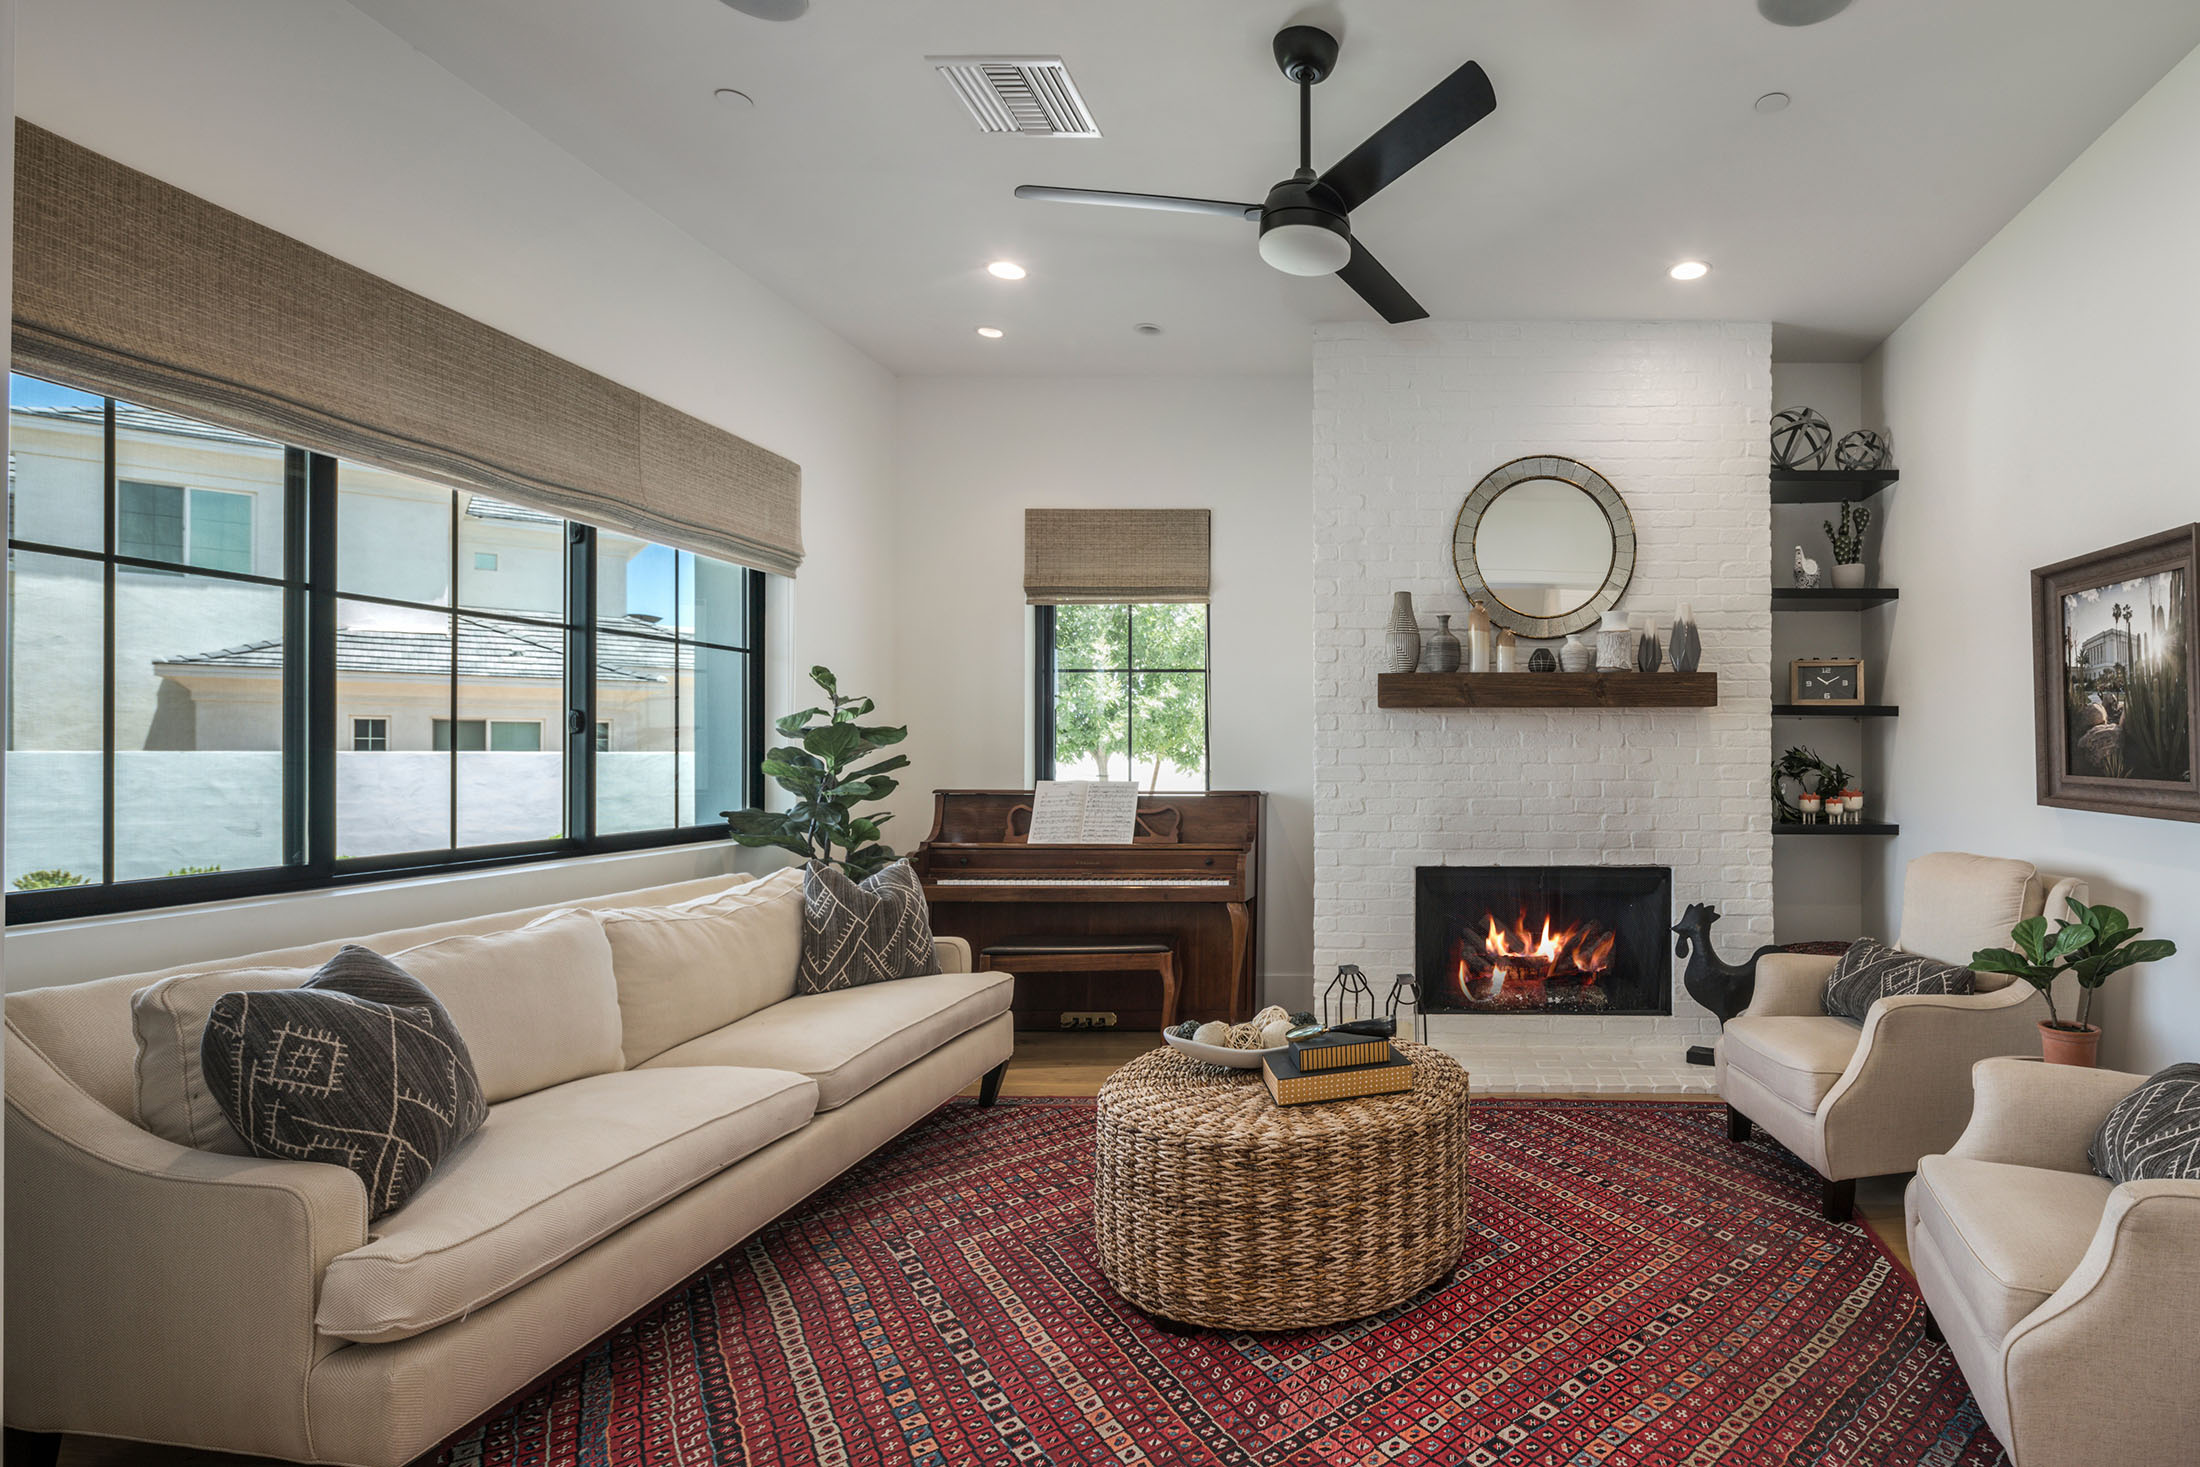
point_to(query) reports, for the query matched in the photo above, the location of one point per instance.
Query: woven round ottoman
(1215, 1207)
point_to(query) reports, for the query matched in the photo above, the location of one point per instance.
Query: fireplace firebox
(1589, 940)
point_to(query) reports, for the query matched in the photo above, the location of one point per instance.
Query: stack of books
(1333, 1066)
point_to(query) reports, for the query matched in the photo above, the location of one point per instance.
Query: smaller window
(485, 560)
(370, 735)
(209, 528)
(603, 737)
(495, 736)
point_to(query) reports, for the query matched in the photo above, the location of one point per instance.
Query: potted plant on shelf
(2094, 943)
(1848, 545)
(827, 787)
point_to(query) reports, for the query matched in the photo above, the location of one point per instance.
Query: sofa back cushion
(536, 1005)
(687, 969)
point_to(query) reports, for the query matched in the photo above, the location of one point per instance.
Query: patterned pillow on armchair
(1871, 970)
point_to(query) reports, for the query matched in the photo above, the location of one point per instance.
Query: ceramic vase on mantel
(1615, 643)
(1405, 634)
(1478, 637)
(1442, 649)
(1848, 577)
(1686, 644)
(1576, 655)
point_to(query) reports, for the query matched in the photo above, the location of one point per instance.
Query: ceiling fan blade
(1169, 202)
(1448, 109)
(1378, 287)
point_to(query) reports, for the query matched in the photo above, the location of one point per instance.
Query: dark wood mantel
(1547, 690)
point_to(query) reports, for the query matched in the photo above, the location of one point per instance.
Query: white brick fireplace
(1406, 420)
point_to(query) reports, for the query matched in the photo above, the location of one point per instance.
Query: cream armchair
(2067, 1301)
(1859, 1100)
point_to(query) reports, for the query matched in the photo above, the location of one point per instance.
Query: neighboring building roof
(486, 650)
(130, 418)
(482, 507)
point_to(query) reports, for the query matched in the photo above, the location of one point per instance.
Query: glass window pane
(1165, 636)
(714, 600)
(508, 737)
(198, 725)
(56, 633)
(511, 705)
(393, 536)
(1091, 636)
(1169, 723)
(714, 733)
(634, 584)
(1091, 725)
(473, 735)
(393, 664)
(636, 787)
(57, 464)
(190, 493)
(510, 559)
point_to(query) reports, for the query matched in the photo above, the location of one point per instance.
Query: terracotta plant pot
(2070, 1046)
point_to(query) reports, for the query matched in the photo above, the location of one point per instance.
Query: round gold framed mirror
(1545, 544)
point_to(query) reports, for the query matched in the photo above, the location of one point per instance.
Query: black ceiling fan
(1305, 222)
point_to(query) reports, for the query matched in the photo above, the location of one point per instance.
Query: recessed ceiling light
(771, 9)
(1005, 270)
(990, 333)
(1689, 270)
(1773, 102)
(734, 99)
(1800, 12)
(1147, 328)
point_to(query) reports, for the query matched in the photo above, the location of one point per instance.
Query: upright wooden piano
(1190, 878)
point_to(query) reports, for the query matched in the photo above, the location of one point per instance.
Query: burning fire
(1513, 966)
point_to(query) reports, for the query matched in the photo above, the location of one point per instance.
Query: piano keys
(1191, 879)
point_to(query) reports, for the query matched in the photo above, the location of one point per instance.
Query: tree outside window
(1127, 693)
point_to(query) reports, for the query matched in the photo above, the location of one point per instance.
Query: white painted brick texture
(1406, 420)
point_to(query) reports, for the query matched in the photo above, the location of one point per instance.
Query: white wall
(312, 119)
(2040, 402)
(973, 453)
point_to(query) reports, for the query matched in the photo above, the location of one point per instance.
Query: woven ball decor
(1801, 439)
(1214, 1206)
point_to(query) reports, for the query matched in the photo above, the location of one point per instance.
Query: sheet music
(1083, 812)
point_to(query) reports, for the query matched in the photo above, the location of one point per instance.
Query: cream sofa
(657, 1094)
(2068, 1301)
(1865, 1099)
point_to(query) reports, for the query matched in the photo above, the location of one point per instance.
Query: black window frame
(1047, 670)
(309, 716)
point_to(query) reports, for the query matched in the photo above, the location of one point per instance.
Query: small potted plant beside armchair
(2093, 943)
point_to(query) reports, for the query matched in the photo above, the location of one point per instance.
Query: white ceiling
(1624, 139)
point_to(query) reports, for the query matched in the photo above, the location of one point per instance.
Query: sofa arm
(953, 954)
(2032, 1114)
(1907, 1090)
(2104, 1371)
(1790, 985)
(156, 1292)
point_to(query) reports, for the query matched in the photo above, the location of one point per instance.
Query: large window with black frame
(1122, 693)
(236, 667)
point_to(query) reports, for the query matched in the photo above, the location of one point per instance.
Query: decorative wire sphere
(1862, 451)
(1800, 439)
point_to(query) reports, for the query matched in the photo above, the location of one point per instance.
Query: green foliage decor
(2094, 943)
(47, 879)
(1813, 775)
(822, 776)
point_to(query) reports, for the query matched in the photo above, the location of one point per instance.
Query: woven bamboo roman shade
(1116, 555)
(132, 287)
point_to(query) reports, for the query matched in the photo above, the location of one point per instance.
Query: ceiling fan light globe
(1305, 249)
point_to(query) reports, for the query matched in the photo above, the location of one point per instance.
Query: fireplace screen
(1544, 939)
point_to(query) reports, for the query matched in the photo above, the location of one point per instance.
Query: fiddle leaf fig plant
(822, 772)
(2095, 942)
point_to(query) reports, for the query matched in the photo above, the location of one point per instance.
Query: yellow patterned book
(1292, 1086)
(1334, 1051)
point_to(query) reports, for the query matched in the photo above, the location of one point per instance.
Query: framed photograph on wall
(2116, 654)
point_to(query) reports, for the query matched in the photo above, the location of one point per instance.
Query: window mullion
(452, 771)
(580, 684)
(320, 664)
(297, 678)
(107, 660)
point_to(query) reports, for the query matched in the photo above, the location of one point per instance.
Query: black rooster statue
(1718, 985)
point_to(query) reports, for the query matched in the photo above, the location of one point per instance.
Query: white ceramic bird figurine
(1806, 569)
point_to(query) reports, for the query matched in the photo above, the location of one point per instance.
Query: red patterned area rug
(1638, 1291)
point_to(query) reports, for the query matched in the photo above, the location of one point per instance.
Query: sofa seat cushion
(850, 1039)
(2009, 1235)
(1796, 1057)
(546, 1176)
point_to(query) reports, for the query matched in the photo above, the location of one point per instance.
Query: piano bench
(1089, 955)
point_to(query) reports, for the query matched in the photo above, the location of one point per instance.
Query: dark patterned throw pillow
(2153, 1134)
(359, 1066)
(870, 932)
(1871, 970)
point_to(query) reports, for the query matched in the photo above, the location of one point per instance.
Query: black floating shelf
(1831, 598)
(1861, 827)
(1836, 710)
(1828, 486)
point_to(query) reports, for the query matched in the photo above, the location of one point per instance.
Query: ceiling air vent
(1032, 95)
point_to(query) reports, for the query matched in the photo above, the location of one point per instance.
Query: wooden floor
(1076, 1063)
